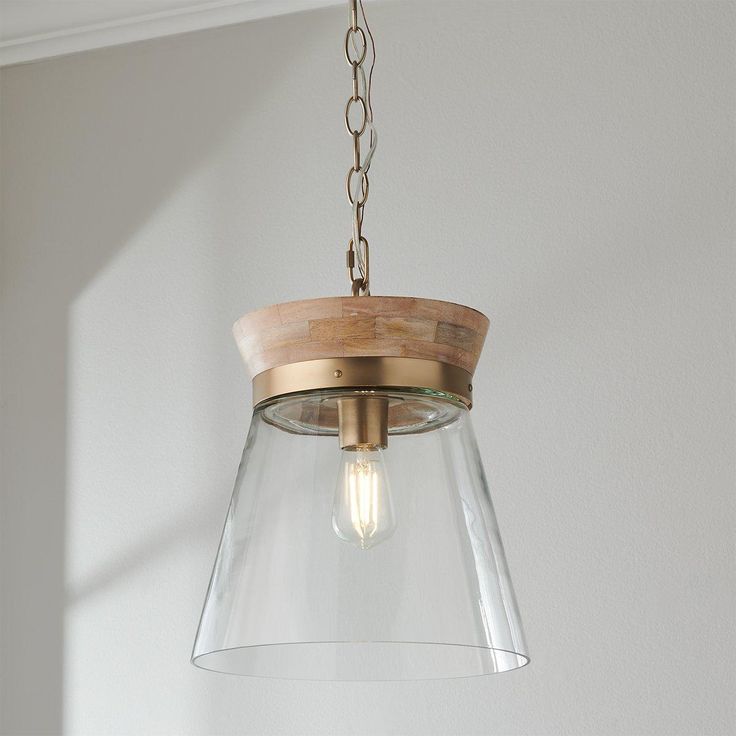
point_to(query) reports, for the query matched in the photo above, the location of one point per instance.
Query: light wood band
(374, 326)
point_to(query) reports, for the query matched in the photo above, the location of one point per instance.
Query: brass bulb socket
(363, 422)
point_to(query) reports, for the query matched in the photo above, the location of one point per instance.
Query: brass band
(366, 372)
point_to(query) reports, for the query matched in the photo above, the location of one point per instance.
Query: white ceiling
(37, 29)
(23, 18)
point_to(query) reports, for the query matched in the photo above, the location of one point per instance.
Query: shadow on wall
(164, 108)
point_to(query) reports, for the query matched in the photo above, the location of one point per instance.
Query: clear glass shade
(363, 563)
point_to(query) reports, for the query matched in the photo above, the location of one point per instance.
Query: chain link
(357, 187)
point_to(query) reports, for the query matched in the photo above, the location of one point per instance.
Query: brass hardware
(363, 422)
(349, 36)
(356, 52)
(360, 284)
(369, 373)
(356, 88)
(364, 188)
(356, 157)
(364, 116)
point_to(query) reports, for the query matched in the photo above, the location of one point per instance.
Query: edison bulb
(363, 513)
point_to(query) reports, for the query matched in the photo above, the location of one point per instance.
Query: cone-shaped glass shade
(360, 564)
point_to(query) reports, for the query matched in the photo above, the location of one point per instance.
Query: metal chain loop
(364, 185)
(361, 50)
(364, 116)
(356, 182)
(359, 284)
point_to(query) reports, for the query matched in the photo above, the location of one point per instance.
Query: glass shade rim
(417, 410)
(523, 659)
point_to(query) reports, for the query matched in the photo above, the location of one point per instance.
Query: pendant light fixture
(361, 543)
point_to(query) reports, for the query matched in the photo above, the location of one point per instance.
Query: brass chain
(356, 51)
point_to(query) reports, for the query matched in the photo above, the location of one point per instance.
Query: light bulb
(363, 513)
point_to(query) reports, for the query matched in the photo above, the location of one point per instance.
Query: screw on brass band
(363, 372)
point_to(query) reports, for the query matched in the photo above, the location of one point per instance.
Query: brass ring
(360, 130)
(363, 372)
(364, 186)
(364, 50)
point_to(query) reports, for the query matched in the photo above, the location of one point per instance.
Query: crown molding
(151, 25)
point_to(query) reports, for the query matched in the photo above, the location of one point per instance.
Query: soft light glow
(363, 513)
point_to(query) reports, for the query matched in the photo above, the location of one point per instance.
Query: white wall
(568, 168)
